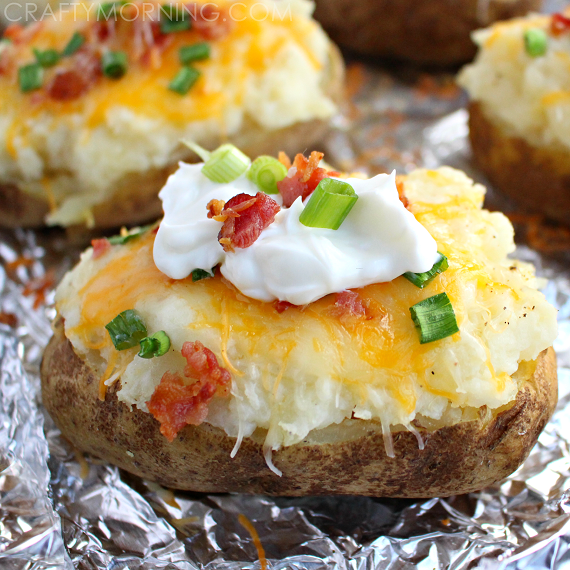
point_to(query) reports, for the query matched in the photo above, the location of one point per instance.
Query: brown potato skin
(457, 459)
(135, 199)
(432, 32)
(537, 178)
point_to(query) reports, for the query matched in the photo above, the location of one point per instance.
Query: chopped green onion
(126, 329)
(225, 164)
(199, 274)
(76, 41)
(128, 236)
(434, 318)
(535, 42)
(30, 77)
(114, 64)
(184, 80)
(422, 279)
(196, 52)
(200, 151)
(108, 9)
(174, 19)
(329, 204)
(157, 344)
(265, 172)
(46, 58)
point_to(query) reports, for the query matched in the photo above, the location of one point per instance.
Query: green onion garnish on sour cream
(265, 172)
(329, 204)
(422, 279)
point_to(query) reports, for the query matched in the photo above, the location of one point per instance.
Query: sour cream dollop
(378, 241)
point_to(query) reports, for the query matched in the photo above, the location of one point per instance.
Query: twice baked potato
(94, 102)
(340, 394)
(519, 122)
(422, 31)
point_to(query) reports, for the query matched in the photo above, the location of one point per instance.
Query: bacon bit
(305, 178)
(284, 160)
(255, 214)
(66, 86)
(210, 22)
(559, 24)
(21, 261)
(13, 32)
(349, 303)
(445, 522)
(401, 194)
(281, 306)
(39, 287)
(175, 405)
(9, 319)
(215, 208)
(100, 247)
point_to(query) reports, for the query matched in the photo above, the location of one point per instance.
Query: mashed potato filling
(306, 368)
(528, 96)
(267, 71)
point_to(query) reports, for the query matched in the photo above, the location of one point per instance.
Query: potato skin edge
(435, 32)
(537, 178)
(135, 199)
(457, 459)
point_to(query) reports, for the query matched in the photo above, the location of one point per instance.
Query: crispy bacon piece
(38, 287)
(349, 303)
(282, 306)
(215, 208)
(559, 24)
(9, 319)
(284, 160)
(254, 215)
(100, 247)
(70, 84)
(174, 404)
(303, 180)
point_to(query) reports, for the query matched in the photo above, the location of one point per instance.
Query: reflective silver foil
(69, 511)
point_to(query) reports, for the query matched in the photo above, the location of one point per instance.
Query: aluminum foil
(59, 509)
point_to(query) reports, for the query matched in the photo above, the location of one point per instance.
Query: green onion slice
(329, 204)
(265, 172)
(76, 41)
(114, 64)
(199, 274)
(30, 77)
(195, 52)
(422, 279)
(46, 58)
(157, 344)
(184, 80)
(200, 151)
(174, 18)
(535, 42)
(434, 318)
(133, 234)
(225, 164)
(126, 329)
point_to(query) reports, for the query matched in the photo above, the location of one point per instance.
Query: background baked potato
(422, 31)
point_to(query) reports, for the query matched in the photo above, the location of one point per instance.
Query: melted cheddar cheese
(306, 368)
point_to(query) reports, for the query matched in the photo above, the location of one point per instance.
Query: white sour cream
(377, 242)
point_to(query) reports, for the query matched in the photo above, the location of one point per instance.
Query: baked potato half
(519, 123)
(269, 375)
(348, 458)
(94, 103)
(433, 32)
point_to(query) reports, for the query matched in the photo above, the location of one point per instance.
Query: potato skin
(457, 459)
(422, 31)
(537, 178)
(135, 199)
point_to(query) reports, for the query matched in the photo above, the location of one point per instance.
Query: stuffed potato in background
(519, 86)
(90, 136)
(422, 31)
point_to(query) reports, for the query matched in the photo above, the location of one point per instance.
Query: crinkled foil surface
(61, 510)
